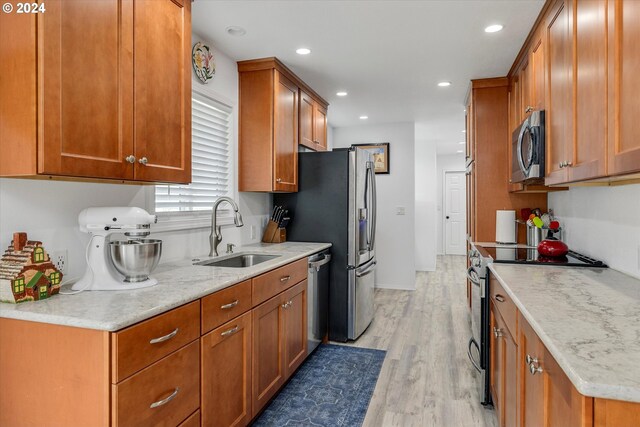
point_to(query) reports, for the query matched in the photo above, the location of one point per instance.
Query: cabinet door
(285, 134)
(590, 143)
(532, 394)
(306, 124)
(559, 114)
(320, 127)
(526, 106)
(267, 356)
(226, 374)
(163, 90)
(510, 388)
(538, 72)
(85, 83)
(496, 364)
(624, 86)
(295, 327)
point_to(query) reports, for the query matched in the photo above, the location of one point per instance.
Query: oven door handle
(472, 342)
(474, 280)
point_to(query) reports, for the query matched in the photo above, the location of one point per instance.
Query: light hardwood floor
(426, 378)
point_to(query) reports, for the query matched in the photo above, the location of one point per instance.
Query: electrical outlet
(59, 259)
(400, 210)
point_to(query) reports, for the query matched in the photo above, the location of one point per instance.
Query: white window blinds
(211, 160)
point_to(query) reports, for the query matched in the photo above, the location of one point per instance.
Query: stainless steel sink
(237, 260)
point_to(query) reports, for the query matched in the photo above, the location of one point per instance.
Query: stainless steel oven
(478, 346)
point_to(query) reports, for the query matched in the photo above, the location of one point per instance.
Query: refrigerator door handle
(374, 206)
(370, 268)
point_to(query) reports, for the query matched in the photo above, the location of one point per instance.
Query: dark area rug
(332, 388)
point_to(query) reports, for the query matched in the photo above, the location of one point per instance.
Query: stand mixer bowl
(135, 259)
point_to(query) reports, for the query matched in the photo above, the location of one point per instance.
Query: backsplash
(602, 222)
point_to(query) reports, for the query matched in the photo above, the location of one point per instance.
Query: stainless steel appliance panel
(361, 297)
(317, 299)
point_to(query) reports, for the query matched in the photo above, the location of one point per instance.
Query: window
(54, 278)
(38, 255)
(211, 163)
(18, 285)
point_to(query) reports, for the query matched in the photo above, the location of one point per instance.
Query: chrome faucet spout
(216, 232)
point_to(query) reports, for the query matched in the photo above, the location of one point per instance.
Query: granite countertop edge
(56, 309)
(584, 387)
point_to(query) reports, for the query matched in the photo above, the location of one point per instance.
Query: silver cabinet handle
(230, 305)
(287, 304)
(143, 161)
(535, 369)
(165, 337)
(500, 298)
(475, 280)
(230, 331)
(497, 332)
(166, 399)
(130, 158)
(285, 278)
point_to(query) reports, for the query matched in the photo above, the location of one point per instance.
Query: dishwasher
(317, 299)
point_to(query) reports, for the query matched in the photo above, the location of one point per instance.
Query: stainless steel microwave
(527, 150)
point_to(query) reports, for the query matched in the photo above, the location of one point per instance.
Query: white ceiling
(388, 55)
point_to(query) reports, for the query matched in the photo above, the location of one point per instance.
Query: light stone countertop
(178, 283)
(589, 320)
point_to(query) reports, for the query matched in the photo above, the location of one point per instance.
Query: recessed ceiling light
(364, 117)
(459, 151)
(236, 31)
(303, 51)
(444, 84)
(461, 142)
(341, 93)
(493, 28)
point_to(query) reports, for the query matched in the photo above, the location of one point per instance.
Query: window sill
(167, 223)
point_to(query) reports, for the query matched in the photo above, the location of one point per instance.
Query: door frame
(444, 205)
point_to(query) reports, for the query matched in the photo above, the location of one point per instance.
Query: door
(361, 295)
(306, 120)
(559, 115)
(285, 134)
(454, 209)
(295, 327)
(86, 88)
(226, 374)
(266, 352)
(624, 86)
(163, 90)
(362, 207)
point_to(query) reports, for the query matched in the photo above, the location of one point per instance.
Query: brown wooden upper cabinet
(277, 111)
(108, 112)
(313, 122)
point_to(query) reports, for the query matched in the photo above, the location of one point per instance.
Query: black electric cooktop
(531, 256)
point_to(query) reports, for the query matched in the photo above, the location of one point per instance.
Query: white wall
(602, 222)
(445, 163)
(48, 210)
(426, 199)
(395, 234)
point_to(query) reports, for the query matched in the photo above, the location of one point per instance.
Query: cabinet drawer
(224, 305)
(192, 421)
(278, 280)
(164, 394)
(505, 306)
(140, 345)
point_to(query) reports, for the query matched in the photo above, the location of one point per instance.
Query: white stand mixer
(101, 223)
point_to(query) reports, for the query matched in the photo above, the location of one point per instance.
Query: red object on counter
(554, 225)
(552, 248)
(525, 213)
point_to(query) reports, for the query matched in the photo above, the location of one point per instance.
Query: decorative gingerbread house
(26, 272)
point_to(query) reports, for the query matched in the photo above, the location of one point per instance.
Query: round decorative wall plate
(203, 63)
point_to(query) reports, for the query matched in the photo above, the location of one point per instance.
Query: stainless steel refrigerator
(336, 203)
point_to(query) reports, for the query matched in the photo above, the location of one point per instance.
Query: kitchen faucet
(216, 233)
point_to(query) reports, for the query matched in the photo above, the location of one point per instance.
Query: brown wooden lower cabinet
(279, 342)
(226, 374)
(504, 355)
(614, 413)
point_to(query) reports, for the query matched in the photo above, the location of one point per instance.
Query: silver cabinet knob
(535, 369)
(130, 158)
(143, 161)
(561, 165)
(278, 179)
(569, 164)
(531, 360)
(497, 332)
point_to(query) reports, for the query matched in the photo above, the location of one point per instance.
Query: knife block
(273, 234)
